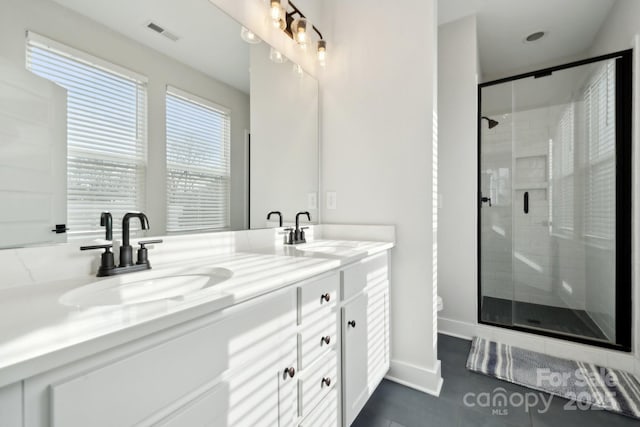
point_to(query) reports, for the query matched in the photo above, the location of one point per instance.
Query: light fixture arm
(290, 16)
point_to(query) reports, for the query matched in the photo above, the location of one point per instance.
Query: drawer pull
(326, 381)
(326, 340)
(352, 323)
(325, 297)
(290, 371)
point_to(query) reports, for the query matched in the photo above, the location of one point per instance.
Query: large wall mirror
(157, 106)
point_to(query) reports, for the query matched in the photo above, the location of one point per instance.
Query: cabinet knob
(325, 297)
(326, 381)
(352, 323)
(326, 339)
(290, 371)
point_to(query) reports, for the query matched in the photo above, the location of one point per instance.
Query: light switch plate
(331, 200)
(312, 201)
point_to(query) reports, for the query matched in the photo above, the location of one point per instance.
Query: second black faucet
(297, 236)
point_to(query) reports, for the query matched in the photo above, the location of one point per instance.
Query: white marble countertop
(38, 333)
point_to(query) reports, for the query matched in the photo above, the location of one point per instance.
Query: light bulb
(300, 29)
(322, 52)
(249, 36)
(277, 56)
(277, 14)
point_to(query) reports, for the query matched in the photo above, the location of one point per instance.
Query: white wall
(284, 138)
(457, 164)
(52, 20)
(621, 31)
(378, 141)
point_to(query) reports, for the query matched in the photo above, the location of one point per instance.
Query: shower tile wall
(496, 221)
(517, 265)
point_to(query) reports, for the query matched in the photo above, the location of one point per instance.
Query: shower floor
(555, 319)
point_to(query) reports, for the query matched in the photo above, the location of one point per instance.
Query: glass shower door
(564, 201)
(496, 209)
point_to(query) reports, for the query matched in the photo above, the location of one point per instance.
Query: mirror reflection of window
(198, 163)
(106, 133)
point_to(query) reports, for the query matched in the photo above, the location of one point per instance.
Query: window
(106, 133)
(198, 168)
(561, 158)
(600, 166)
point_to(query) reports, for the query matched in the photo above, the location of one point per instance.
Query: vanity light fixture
(300, 30)
(322, 52)
(278, 14)
(298, 27)
(249, 36)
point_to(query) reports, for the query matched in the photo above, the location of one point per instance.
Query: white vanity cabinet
(236, 368)
(309, 354)
(365, 331)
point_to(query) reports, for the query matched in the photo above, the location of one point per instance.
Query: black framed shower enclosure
(555, 200)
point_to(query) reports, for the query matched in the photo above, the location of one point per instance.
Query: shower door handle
(485, 200)
(526, 202)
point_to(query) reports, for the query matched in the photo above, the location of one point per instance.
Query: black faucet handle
(143, 253)
(107, 262)
(92, 247)
(288, 235)
(149, 242)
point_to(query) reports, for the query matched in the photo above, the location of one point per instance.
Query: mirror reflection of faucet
(279, 217)
(107, 262)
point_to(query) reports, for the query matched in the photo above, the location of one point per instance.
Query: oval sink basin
(128, 290)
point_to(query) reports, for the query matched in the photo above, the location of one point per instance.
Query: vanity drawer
(316, 382)
(316, 295)
(314, 333)
(368, 272)
(325, 414)
(161, 375)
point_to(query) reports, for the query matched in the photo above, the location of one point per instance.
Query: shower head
(492, 123)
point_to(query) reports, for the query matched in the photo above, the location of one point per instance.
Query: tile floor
(393, 405)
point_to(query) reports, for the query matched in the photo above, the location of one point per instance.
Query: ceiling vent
(161, 30)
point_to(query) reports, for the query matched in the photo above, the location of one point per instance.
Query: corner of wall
(416, 377)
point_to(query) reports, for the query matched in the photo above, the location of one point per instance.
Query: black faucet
(126, 257)
(275, 213)
(298, 236)
(107, 265)
(106, 220)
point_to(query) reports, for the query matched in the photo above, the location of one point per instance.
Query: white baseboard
(416, 377)
(456, 328)
(545, 345)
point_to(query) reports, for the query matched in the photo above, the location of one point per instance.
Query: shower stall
(554, 211)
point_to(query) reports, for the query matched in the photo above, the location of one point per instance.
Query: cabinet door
(263, 397)
(377, 335)
(354, 357)
(11, 405)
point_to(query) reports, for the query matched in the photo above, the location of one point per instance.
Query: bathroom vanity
(294, 336)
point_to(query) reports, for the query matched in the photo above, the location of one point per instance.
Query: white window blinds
(562, 172)
(600, 167)
(198, 163)
(106, 133)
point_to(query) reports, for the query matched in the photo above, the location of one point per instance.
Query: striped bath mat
(604, 388)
